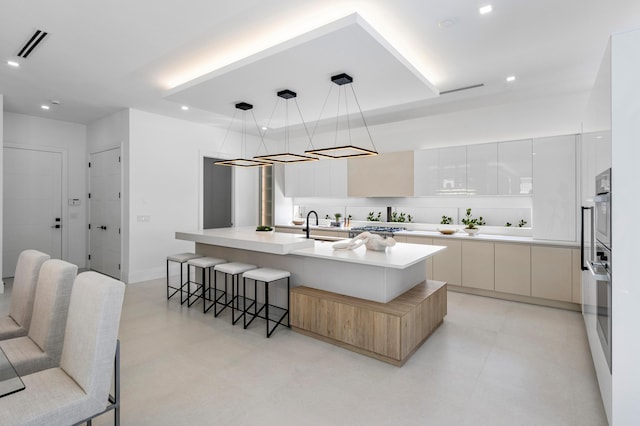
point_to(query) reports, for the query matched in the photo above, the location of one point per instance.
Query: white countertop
(486, 237)
(247, 238)
(399, 256)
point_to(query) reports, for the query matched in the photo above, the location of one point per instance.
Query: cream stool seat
(205, 264)
(181, 259)
(233, 269)
(272, 313)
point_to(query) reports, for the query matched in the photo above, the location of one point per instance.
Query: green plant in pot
(337, 216)
(471, 223)
(446, 220)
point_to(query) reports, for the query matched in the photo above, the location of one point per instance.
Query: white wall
(70, 139)
(1, 182)
(165, 169)
(625, 50)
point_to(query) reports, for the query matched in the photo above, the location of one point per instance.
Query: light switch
(144, 218)
(74, 201)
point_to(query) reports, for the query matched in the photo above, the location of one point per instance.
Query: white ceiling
(101, 57)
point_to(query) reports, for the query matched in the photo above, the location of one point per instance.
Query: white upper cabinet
(482, 169)
(515, 162)
(323, 178)
(299, 179)
(425, 172)
(330, 178)
(554, 200)
(452, 170)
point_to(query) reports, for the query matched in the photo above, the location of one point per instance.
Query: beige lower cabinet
(447, 265)
(339, 233)
(551, 276)
(513, 268)
(576, 278)
(419, 240)
(478, 265)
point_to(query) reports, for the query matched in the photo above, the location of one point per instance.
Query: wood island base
(390, 332)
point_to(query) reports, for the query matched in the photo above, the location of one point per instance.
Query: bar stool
(205, 264)
(180, 258)
(266, 276)
(233, 269)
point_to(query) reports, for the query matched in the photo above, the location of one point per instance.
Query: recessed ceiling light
(485, 9)
(184, 108)
(45, 107)
(447, 23)
(511, 78)
(13, 63)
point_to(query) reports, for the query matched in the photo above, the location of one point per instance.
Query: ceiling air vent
(33, 42)
(462, 88)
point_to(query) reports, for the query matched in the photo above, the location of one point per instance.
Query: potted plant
(337, 222)
(472, 223)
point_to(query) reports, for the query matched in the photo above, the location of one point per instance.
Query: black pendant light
(285, 96)
(345, 150)
(242, 162)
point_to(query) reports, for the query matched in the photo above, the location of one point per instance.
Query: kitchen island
(376, 303)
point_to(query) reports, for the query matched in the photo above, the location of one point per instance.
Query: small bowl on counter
(298, 221)
(447, 231)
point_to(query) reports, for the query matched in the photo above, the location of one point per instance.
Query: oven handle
(582, 259)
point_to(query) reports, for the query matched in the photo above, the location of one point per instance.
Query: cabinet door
(420, 240)
(425, 172)
(515, 168)
(513, 268)
(452, 170)
(482, 169)
(478, 265)
(299, 180)
(551, 276)
(447, 264)
(554, 208)
(330, 178)
(384, 175)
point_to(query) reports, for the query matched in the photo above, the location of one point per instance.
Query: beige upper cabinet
(515, 168)
(384, 175)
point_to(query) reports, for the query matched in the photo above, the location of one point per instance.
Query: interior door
(32, 209)
(104, 212)
(217, 195)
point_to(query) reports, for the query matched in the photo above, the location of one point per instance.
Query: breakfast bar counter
(376, 303)
(378, 276)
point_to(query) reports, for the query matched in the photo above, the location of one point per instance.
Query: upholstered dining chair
(17, 323)
(42, 347)
(78, 390)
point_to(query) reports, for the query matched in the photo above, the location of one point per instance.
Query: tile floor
(492, 362)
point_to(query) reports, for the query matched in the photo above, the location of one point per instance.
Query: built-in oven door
(602, 273)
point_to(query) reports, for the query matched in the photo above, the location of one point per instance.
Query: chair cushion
(51, 307)
(92, 332)
(266, 274)
(10, 329)
(50, 397)
(26, 356)
(234, 268)
(183, 257)
(205, 262)
(24, 286)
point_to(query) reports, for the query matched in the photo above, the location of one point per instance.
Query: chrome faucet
(309, 214)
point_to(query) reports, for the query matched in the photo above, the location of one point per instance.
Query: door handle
(56, 226)
(104, 228)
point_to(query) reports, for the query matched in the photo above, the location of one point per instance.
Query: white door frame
(65, 185)
(122, 198)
